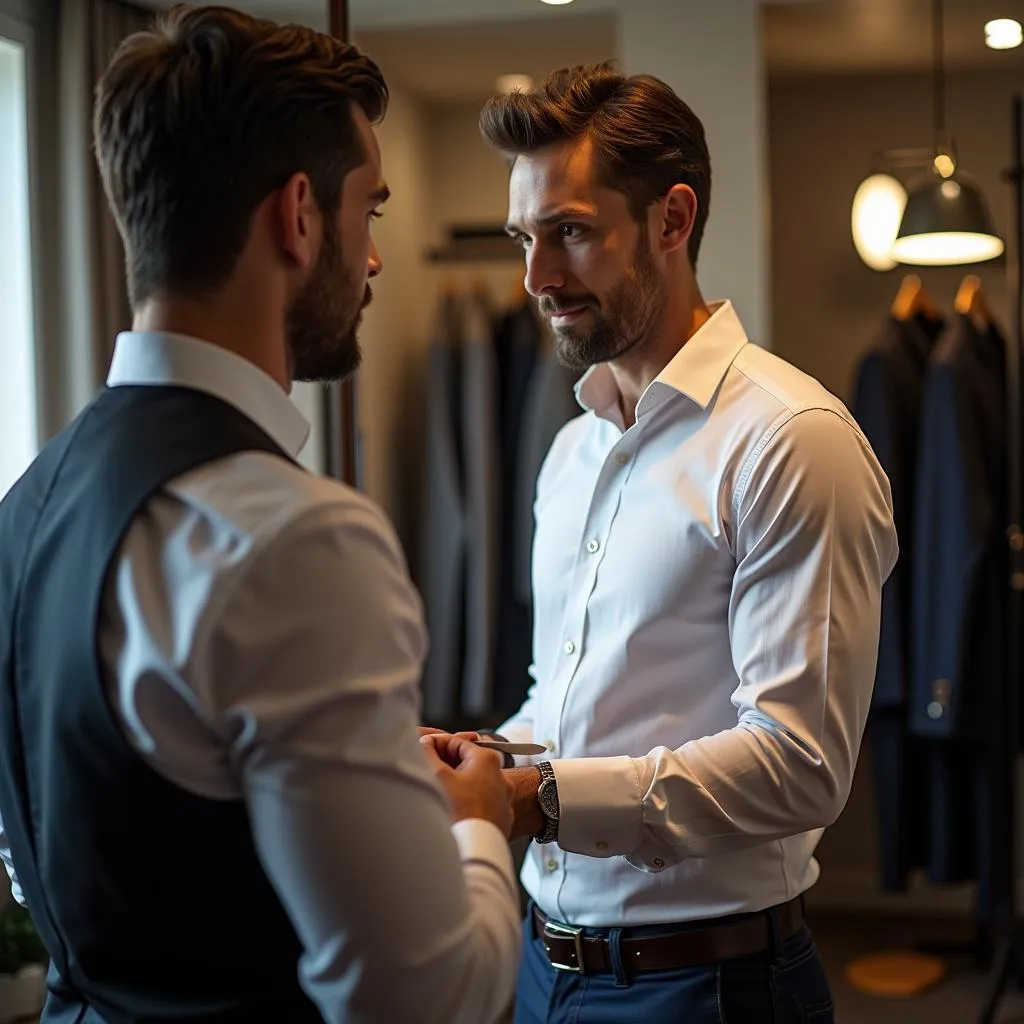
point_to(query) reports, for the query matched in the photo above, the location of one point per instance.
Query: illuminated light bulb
(875, 219)
(1003, 34)
(513, 83)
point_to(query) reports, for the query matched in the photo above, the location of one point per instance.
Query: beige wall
(395, 325)
(468, 186)
(714, 60)
(827, 306)
(440, 173)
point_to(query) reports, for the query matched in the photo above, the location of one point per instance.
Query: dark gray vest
(150, 900)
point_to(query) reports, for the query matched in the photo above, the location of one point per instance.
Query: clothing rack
(473, 244)
(1009, 951)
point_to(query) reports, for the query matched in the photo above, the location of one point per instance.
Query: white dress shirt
(707, 589)
(262, 641)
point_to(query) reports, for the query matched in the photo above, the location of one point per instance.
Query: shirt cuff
(482, 842)
(600, 806)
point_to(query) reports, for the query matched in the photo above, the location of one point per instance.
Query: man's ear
(679, 213)
(297, 218)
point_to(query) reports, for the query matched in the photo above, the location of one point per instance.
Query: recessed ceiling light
(513, 83)
(556, 3)
(1003, 34)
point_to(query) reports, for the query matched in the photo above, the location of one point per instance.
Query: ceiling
(440, 52)
(446, 63)
(829, 37)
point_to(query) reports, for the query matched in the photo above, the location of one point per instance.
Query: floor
(955, 1000)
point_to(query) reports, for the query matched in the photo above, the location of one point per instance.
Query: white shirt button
(550, 744)
(552, 864)
(622, 458)
(593, 545)
(570, 647)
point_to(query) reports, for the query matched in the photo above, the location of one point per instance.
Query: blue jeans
(787, 986)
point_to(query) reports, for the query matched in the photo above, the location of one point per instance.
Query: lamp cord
(938, 76)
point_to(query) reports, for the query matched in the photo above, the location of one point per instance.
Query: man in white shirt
(712, 537)
(215, 804)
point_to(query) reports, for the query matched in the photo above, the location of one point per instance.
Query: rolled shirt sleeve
(314, 668)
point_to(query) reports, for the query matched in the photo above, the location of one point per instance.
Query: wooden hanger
(912, 300)
(970, 302)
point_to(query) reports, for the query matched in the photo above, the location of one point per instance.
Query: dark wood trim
(340, 399)
(338, 19)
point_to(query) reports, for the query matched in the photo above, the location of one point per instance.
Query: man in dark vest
(215, 805)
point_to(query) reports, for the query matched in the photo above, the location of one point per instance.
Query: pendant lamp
(946, 220)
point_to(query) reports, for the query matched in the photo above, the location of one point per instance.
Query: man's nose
(544, 270)
(375, 264)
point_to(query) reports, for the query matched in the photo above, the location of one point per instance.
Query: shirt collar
(695, 370)
(157, 358)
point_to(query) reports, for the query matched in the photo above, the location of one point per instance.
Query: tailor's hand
(427, 730)
(472, 778)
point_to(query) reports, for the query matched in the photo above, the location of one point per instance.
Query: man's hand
(426, 730)
(472, 778)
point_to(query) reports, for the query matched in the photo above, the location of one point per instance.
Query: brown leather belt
(568, 949)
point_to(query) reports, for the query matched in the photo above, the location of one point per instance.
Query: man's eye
(521, 239)
(570, 230)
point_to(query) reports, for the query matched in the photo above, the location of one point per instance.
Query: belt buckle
(565, 931)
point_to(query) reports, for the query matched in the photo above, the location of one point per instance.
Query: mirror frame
(339, 402)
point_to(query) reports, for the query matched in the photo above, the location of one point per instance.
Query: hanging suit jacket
(958, 676)
(440, 573)
(887, 399)
(887, 405)
(516, 343)
(549, 404)
(495, 399)
(537, 399)
(959, 576)
(478, 426)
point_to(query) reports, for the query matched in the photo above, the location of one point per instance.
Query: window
(19, 437)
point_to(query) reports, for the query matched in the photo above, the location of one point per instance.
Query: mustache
(367, 297)
(552, 307)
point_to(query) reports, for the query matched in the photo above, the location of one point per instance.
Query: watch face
(547, 797)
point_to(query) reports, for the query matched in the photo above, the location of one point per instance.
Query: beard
(322, 321)
(626, 318)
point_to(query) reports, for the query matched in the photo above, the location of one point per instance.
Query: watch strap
(549, 833)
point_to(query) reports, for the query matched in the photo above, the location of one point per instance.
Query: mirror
(459, 392)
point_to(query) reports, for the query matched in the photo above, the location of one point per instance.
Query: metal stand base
(1006, 964)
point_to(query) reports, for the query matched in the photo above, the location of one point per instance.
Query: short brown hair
(200, 118)
(646, 138)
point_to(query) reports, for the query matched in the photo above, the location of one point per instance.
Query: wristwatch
(547, 797)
